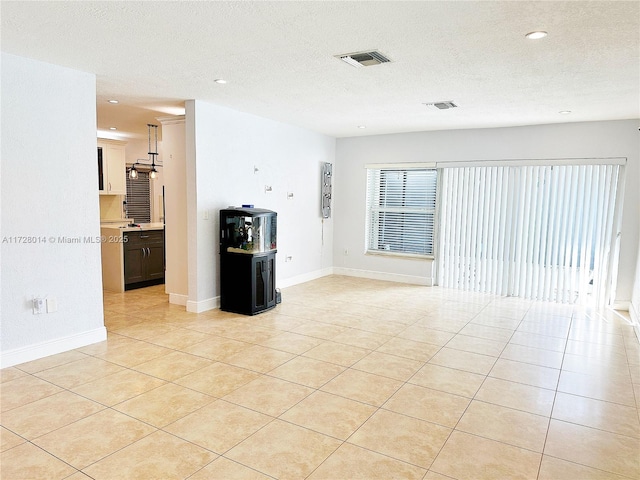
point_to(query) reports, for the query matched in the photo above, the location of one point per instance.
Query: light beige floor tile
(269, 395)
(9, 439)
(363, 387)
(48, 414)
(409, 349)
(78, 476)
(81, 371)
(329, 414)
(597, 387)
(338, 353)
(118, 387)
(596, 336)
(307, 371)
(516, 395)
(617, 372)
(435, 476)
(556, 469)
(357, 463)
(324, 331)
(23, 390)
(490, 333)
(390, 366)
(404, 438)
(134, 354)
(427, 404)
(11, 373)
(469, 362)
(361, 338)
(156, 456)
(144, 331)
(601, 353)
(526, 373)
(164, 405)
(218, 426)
(178, 338)
(594, 448)
(173, 366)
(93, 438)
(28, 462)
(381, 327)
(225, 469)
(426, 335)
(291, 342)
(506, 425)
(217, 348)
(468, 457)
(535, 356)
(534, 340)
(217, 379)
(259, 359)
(607, 416)
(51, 361)
(448, 380)
(558, 329)
(284, 451)
(482, 346)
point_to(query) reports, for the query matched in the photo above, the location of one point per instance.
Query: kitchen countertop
(141, 228)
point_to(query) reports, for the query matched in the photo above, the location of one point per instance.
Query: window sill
(409, 256)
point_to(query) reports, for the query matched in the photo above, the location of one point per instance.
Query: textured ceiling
(278, 59)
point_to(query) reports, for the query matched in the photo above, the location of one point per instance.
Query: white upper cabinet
(112, 178)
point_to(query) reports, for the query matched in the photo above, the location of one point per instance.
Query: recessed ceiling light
(220, 81)
(362, 126)
(537, 35)
(564, 112)
(112, 128)
(113, 101)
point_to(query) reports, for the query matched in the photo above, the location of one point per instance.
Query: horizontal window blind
(401, 205)
(540, 232)
(139, 198)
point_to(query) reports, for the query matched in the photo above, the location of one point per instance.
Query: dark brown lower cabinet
(143, 259)
(247, 282)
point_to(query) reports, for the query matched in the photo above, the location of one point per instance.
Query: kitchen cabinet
(112, 179)
(143, 258)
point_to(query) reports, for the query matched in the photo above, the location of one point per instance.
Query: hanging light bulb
(154, 173)
(133, 173)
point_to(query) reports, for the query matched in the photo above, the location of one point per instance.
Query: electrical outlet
(38, 306)
(268, 189)
(288, 258)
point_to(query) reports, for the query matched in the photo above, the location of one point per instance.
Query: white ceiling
(278, 59)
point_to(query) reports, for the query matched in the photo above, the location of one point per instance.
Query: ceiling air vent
(363, 59)
(442, 105)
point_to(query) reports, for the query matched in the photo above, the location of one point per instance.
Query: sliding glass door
(535, 231)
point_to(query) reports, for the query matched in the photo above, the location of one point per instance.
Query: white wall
(49, 172)
(573, 140)
(223, 148)
(634, 309)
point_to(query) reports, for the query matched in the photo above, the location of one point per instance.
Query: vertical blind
(139, 198)
(401, 205)
(539, 232)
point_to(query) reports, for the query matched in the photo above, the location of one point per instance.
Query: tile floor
(346, 379)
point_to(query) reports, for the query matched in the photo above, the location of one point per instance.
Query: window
(401, 207)
(139, 198)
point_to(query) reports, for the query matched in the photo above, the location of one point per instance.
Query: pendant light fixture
(153, 154)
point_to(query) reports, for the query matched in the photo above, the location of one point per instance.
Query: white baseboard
(178, 299)
(51, 347)
(635, 318)
(306, 277)
(623, 306)
(203, 305)
(390, 277)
